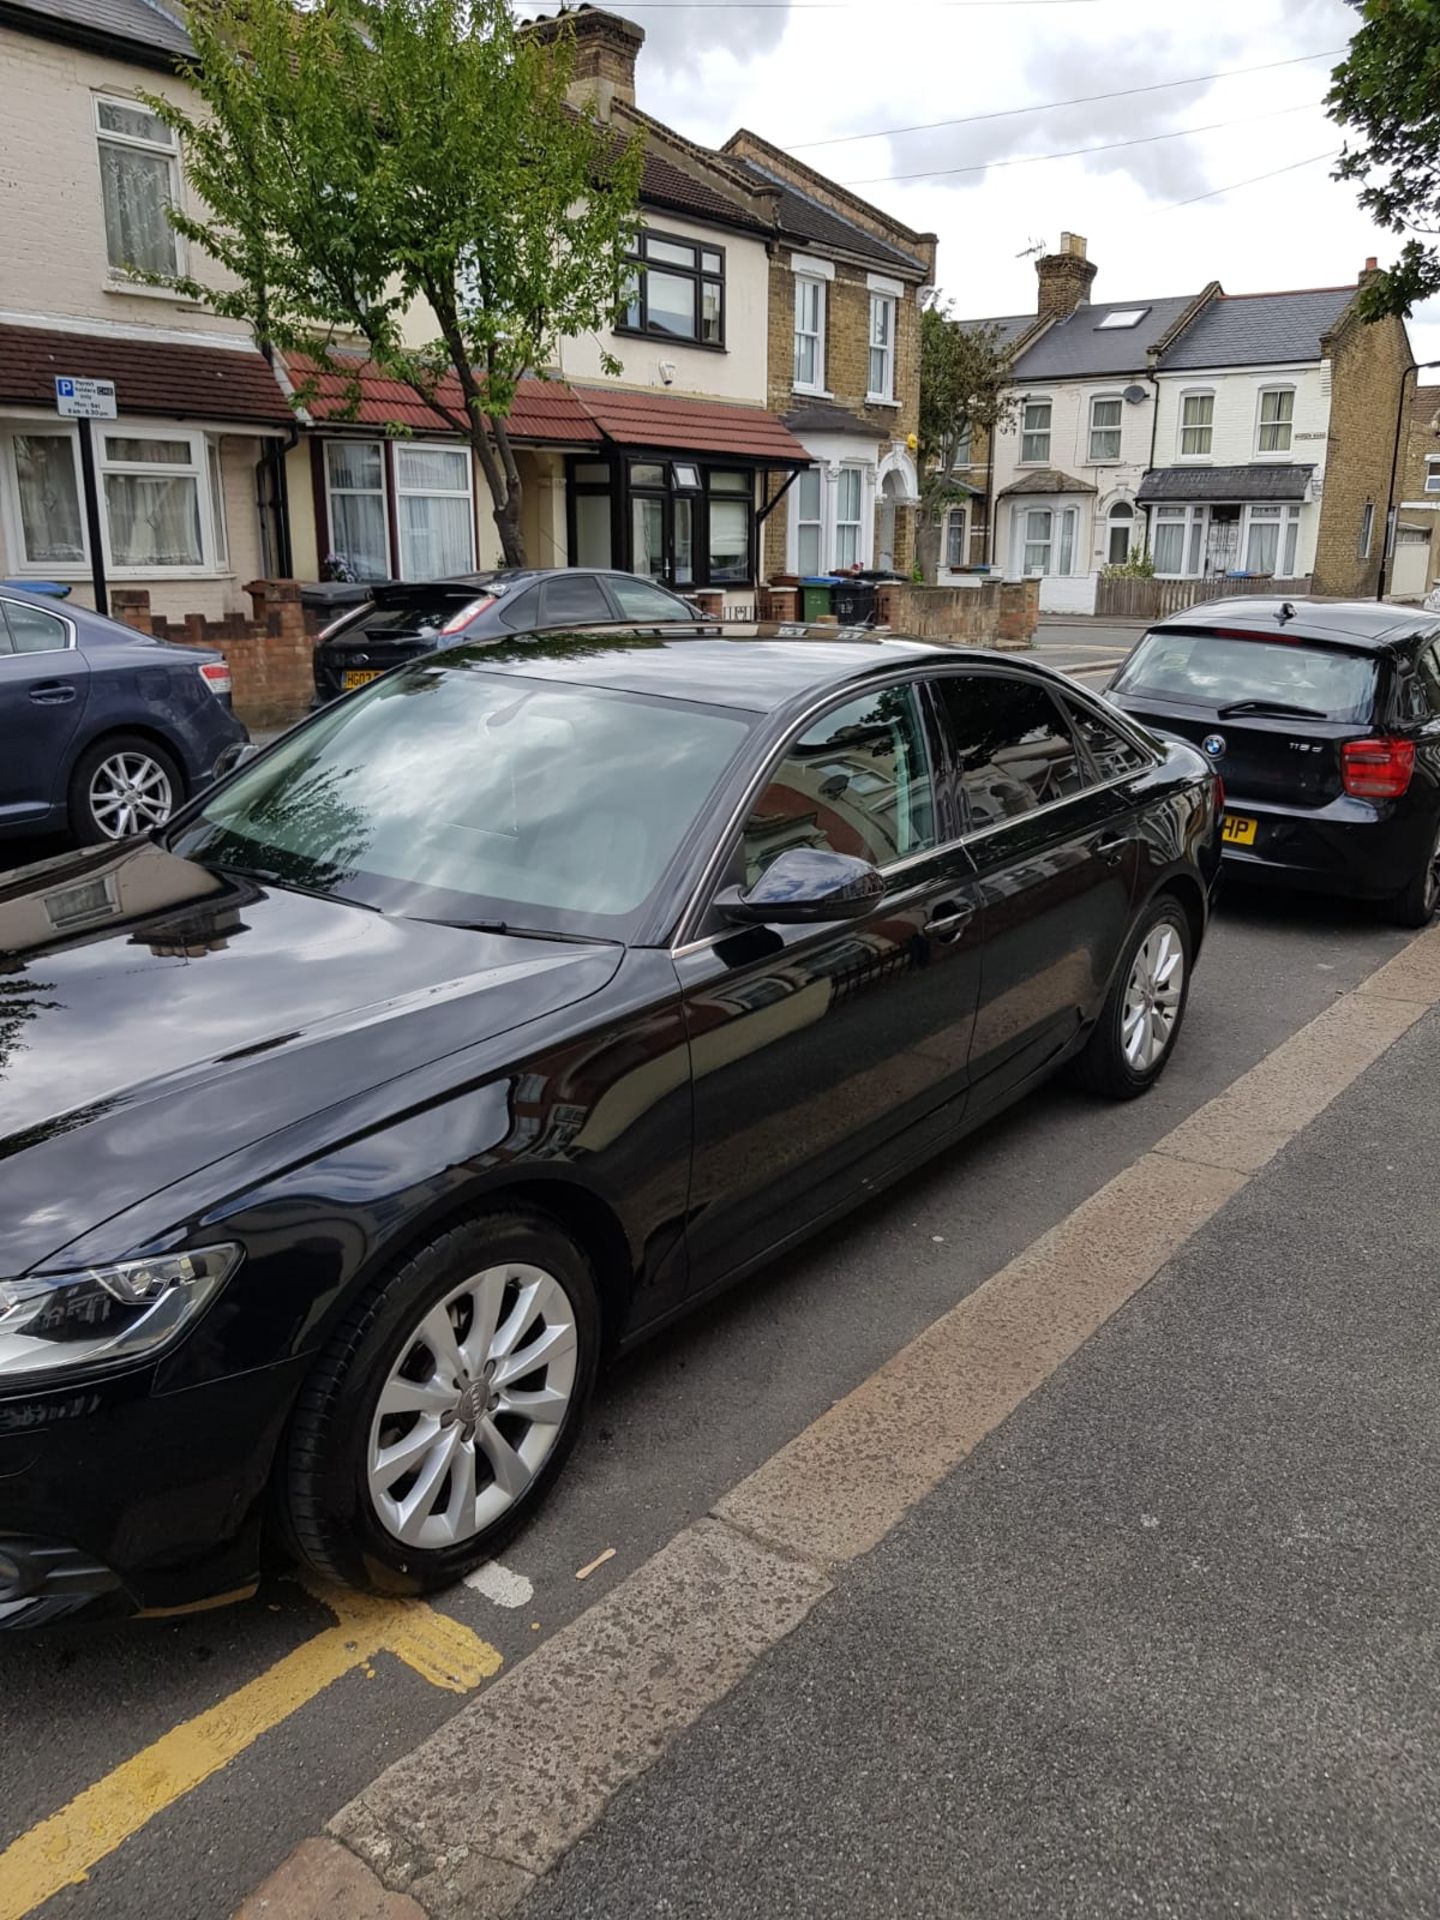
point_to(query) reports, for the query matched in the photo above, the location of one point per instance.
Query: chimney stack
(604, 48)
(1368, 271)
(1065, 278)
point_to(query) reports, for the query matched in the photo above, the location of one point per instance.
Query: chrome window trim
(686, 942)
(51, 613)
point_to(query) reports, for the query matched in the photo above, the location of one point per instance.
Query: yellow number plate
(1238, 831)
(356, 677)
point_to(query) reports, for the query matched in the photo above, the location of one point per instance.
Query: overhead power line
(1253, 181)
(1080, 100)
(1071, 153)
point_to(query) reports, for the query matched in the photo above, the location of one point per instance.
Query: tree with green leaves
(1386, 93)
(406, 175)
(964, 389)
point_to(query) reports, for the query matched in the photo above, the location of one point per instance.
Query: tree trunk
(507, 525)
(927, 550)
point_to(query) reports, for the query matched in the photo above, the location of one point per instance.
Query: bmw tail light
(458, 622)
(1219, 795)
(1377, 769)
(216, 675)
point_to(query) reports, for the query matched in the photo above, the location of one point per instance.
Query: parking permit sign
(84, 399)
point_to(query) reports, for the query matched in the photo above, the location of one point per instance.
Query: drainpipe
(277, 501)
(991, 510)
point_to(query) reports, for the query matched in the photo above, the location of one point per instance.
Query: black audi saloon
(494, 1016)
(1323, 720)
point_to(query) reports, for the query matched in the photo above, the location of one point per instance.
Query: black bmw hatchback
(495, 1016)
(1323, 720)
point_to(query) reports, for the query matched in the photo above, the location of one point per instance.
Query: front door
(825, 1056)
(43, 687)
(1054, 839)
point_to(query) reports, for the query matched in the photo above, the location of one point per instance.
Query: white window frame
(1281, 514)
(1192, 519)
(804, 283)
(1062, 540)
(884, 296)
(107, 136)
(331, 490)
(196, 468)
(797, 521)
(428, 493)
(1432, 473)
(957, 516)
(1367, 529)
(1207, 428)
(1028, 432)
(830, 522)
(861, 557)
(1104, 400)
(1121, 513)
(19, 563)
(1262, 426)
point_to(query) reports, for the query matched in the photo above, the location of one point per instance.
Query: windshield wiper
(1270, 706)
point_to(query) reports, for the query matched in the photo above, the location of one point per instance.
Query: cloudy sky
(812, 74)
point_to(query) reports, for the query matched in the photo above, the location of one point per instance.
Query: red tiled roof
(151, 376)
(692, 426)
(544, 410)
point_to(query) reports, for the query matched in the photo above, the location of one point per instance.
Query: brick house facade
(1415, 560)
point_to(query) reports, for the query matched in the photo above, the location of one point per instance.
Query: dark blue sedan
(103, 730)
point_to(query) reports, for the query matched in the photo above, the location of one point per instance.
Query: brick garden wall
(269, 657)
(1003, 614)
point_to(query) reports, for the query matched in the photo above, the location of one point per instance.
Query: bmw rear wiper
(1270, 706)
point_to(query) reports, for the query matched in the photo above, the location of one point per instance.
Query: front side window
(640, 601)
(1277, 418)
(882, 347)
(355, 493)
(810, 335)
(476, 797)
(47, 483)
(434, 509)
(152, 492)
(1012, 747)
(1111, 753)
(1197, 425)
(849, 496)
(139, 183)
(1105, 430)
(677, 289)
(809, 522)
(573, 599)
(857, 782)
(955, 531)
(1035, 433)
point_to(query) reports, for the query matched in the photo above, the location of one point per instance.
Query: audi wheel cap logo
(1214, 745)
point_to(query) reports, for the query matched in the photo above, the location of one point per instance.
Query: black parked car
(103, 730)
(404, 619)
(1323, 720)
(533, 994)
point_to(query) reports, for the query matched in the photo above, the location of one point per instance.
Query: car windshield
(452, 793)
(1216, 670)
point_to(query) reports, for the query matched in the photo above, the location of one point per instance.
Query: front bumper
(1364, 849)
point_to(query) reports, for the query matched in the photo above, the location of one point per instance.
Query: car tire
(1415, 906)
(1127, 1050)
(99, 783)
(386, 1424)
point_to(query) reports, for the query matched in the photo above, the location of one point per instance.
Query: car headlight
(60, 1322)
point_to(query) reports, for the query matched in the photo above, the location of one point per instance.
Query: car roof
(501, 580)
(750, 666)
(1359, 623)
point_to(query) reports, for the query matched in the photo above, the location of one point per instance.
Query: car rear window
(424, 611)
(1217, 670)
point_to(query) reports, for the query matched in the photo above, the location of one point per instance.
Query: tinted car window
(1429, 671)
(426, 610)
(640, 601)
(1214, 670)
(573, 597)
(524, 610)
(449, 794)
(1011, 744)
(1113, 755)
(30, 629)
(857, 782)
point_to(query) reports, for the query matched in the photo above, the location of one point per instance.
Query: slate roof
(663, 184)
(1263, 481)
(823, 416)
(805, 219)
(1078, 346)
(1046, 480)
(163, 377)
(141, 23)
(1010, 325)
(1258, 329)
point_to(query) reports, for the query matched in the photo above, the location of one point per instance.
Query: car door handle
(1111, 848)
(948, 919)
(52, 693)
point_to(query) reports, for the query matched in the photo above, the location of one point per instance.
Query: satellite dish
(1135, 395)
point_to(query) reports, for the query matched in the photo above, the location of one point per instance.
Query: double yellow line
(60, 1852)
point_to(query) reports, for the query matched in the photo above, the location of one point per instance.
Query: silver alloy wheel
(1152, 998)
(129, 792)
(473, 1406)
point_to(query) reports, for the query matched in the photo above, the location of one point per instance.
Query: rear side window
(1012, 747)
(29, 630)
(1113, 755)
(573, 598)
(1220, 670)
(523, 611)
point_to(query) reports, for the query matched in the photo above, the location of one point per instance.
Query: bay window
(139, 182)
(832, 515)
(356, 507)
(1271, 538)
(47, 483)
(1105, 430)
(680, 523)
(151, 492)
(1197, 425)
(809, 523)
(1167, 539)
(882, 347)
(1276, 420)
(849, 499)
(1035, 433)
(731, 495)
(1046, 537)
(677, 289)
(434, 510)
(809, 335)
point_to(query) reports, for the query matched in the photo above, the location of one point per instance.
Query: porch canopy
(173, 380)
(1241, 486)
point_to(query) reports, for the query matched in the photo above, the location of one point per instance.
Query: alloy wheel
(129, 792)
(1152, 998)
(473, 1406)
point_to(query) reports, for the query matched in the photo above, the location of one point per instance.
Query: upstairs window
(1105, 430)
(1197, 426)
(1277, 420)
(1432, 473)
(1035, 433)
(139, 183)
(810, 335)
(677, 290)
(882, 347)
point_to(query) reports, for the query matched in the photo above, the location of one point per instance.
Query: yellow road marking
(59, 1852)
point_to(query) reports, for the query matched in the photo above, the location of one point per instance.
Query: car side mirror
(805, 884)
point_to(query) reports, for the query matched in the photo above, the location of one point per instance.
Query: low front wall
(269, 657)
(994, 613)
